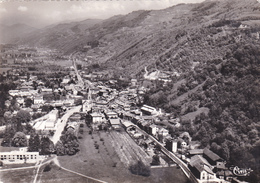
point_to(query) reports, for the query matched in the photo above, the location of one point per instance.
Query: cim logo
(241, 171)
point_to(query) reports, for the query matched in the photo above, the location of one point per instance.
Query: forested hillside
(214, 46)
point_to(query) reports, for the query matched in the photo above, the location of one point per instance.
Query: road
(60, 125)
(55, 160)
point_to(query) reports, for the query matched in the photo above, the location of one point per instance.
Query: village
(81, 98)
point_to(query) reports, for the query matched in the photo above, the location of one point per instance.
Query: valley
(194, 68)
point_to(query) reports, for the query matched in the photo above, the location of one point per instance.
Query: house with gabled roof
(201, 168)
(211, 157)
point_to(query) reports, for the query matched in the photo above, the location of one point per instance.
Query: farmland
(107, 156)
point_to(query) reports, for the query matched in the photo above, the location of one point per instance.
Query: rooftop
(115, 121)
(211, 155)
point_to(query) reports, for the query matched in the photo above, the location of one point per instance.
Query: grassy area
(105, 162)
(15, 176)
(168, 174)
(192, 115)
(57, 175)
(7, 166)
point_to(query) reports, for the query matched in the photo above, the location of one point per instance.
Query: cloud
(55, 15)
(3, 10)
(22, 8)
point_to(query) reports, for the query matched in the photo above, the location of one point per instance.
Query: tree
(23, 116)
(46, 146)
(8, 135)
(28, 102)
(140, 168)
(19, 140)
(225, 153)
(60, 150)
(156, 160)
(70, 143)
(34, 143)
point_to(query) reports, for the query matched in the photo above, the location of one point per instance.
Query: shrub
(140, 169)
(47, 168)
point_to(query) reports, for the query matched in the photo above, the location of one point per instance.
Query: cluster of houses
(208, 166)
(109, 108)
(30, 87)
(116, 109)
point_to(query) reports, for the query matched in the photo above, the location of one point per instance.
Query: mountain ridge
(213, 46)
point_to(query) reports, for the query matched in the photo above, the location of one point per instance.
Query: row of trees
(68, 144)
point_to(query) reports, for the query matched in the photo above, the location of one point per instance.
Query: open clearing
(57, 175)
(15, 176)
(109, 162)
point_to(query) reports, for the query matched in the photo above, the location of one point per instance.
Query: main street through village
(62, 123)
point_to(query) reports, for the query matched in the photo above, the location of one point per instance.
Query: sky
(43, 13)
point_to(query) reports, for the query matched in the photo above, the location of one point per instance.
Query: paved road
(62, 123)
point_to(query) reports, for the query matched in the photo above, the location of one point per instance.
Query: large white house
(97, 117)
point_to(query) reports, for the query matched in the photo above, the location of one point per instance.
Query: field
(110, 161)
(15, 176)
(103, 155)
(57, 175)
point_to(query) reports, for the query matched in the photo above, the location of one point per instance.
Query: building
(201, 168)
(148, 110)
(164, 132)
(133, 82)
(19, 157)
(73, 127)
(153, 129)
(97, 117)
(194, 152)
(211, 157)
(52, 119)
(14, 92)
(171, 145)
(111, 115)
(46, 90)
(115, 123)
(38, 100)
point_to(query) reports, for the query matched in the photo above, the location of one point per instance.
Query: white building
(51, 121)
(153, 129)
(19, 157)
(112, 114)
(97, 117)
(149, 110)
(38, 100)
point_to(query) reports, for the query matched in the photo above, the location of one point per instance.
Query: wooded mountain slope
(214, 46)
